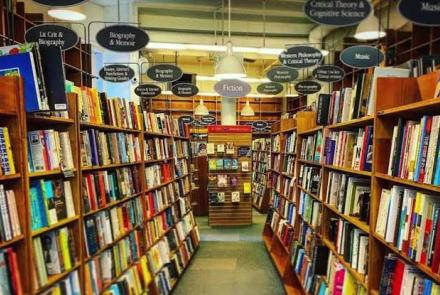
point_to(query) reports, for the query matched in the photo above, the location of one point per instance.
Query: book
(245, 166)
(220, 148)
(235, 197)
(210, 148)
(7, 166)
(247, 188)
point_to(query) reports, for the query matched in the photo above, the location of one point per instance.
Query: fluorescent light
(208, 94)
(260, 95)
(202, 47)
(67, 14)
(270, 51)
(160, 45)
(247, 79)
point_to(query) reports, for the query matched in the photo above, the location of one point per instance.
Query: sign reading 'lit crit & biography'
(52, 35)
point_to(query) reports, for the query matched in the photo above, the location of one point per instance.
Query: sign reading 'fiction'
(422, 12)
(328, 73)
(300, 57)
(282, 74)
(232, 88)
(336, 12)
(164, 73)
(185, 90)
(60, 2)
(52, 35)
(361, 56)
(116, 73)
(147, 90)
(122, 38)
(307, 87)
(270, 88)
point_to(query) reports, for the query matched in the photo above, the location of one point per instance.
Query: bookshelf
(260, 171)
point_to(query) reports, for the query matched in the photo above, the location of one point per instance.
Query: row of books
(7, 164)
(399, 277)
(288, 187)
(276, 162)
(350, 149)
(220, 148)
(102, 188)
(310, 209)
(226, 164)
(310, 178)
(181, 166)
(10, 221)
(49, 150)
(104, 148)
(414, 152)
(275, 181)
(260, 156)
(261, 144)
(157, 123)
(101, 270)
(51, 201)
(104, 227)
(409, 219)
(349, 195)
(351, 243)
(311, 146)
(289, 165)
(181, 148)
(54, 253)
(96, 108)
(222, 180)
(259, 168)
(290, 143)
(162, 198)
(9, 273)
(281, 227)
(276, 143)
(156, 149)
(286, 208)
(67, 285)
(157, 174)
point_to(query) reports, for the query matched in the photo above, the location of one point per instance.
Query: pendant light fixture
(201, 109)
(370, 29)
(247, 110)
(230, 66)
(73, 14)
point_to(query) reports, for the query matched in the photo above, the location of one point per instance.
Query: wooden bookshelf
(260, 177)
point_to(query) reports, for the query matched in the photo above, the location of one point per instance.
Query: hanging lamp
(247, 110)
(73, 14)
(201, 109)
(230, 66)
(370, 29)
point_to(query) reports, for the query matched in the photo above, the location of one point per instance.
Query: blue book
(93, 147)
(420, 151)
(5, 287)
(427, 287)
(436, 180)
(38, 209)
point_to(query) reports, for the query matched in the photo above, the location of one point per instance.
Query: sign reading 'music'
(341, 13)
(122, 38)
(52, 35)
(300, 57)
(422, 12)
(232, 88)
(361, 56)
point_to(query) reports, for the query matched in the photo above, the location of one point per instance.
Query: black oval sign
(307, 87)
(328, 73)
(425, 13)
(208, 119)
(232, 88)
(260, 125)
(282, 74)
(52, 35)
(361, 56)
(147, 90)
(164, 73)
(197, 123)
(116, 73)
(60, 2)
(270, 88)
(185, 89)
(336, 12)
(186, 118)
(122, 38)
(300, 57)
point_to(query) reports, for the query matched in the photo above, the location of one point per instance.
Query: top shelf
(430, 106)
(310, 131)
(352, 123)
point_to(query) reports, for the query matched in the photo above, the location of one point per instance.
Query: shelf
(53, 279)
(54, 226)
(288, 130)
(11, 241)
(309, 193)
(309, 162)
(348, 170)
(159, 185)
(104, 127)
(286, 175)
(112, 204)
(109, 166)
(8, 113)
(10, 177)
(47, 173)
(428, 187)
(150, 133)
(420, 108)
(353, 220)
(181, 137)
(49, 119)
(310, 131)
(157, 161)
(352, 123)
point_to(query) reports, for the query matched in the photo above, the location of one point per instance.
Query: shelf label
(229, 129)
(164, 73)
(148, 90)
(260, 125)
(208, 119)
(272, 88)
(300, 57)
(116, 73)
(336, 12)
(59, 2)
(185, 90)
(328, 73)
(282, 74)
(52, 35)
(421, 12)
(122, 38)
(307, 87)
(361, 56)
(186, 119)
(232, 88)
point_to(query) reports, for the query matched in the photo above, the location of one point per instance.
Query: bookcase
(260, 170)
(229, 178)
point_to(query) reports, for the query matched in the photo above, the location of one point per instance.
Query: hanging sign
(260, 125)
(282, 74)
(300, 56)
(52, 35)
(328, 73)
(147, 90)
(164, 73)
(185, 90)
(361, 56)
(116, 73)
(186, 119)
(270, 88)
(208, 119)
(421, 12)
(232, 88)
(336, 12)
(197, 123)
(60, 2)
(122, 38)
(307, 87)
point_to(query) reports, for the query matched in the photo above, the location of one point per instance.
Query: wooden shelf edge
(428, 187)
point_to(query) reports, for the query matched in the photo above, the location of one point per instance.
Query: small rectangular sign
(229, 129)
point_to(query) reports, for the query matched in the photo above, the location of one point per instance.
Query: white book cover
(396, 198)
(414, 147)
(355, 248)
(4, 215)
(15, 219)
(70, 207)
(363, 255)
(347, 104)
(66, 150)
(411, 195)
(382, 215)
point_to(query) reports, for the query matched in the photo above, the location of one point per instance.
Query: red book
(436, 257)
(405, 243)
(15, 273)
(102, 189)
(43, 139)
(367, 131)
(91, 190)
(398, 277)
(125, 219)
(426, 234)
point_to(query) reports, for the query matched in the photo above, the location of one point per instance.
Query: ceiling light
(324, 52)
(230, 67)
(201, 109)
(161, 45)
(270, 51)
(247, 110)
(369, 29)
(73, 14)
(202, 47)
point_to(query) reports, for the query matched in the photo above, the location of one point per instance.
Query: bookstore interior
(220, 147)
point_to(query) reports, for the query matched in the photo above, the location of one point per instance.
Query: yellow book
(246, 188)
(96, 104)
(117, 260)
(146, 275)
(64, 244)
(349, 287)
(9, 151)
(123, 252)
(121, 221)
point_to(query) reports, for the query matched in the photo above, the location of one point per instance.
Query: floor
(231, 261)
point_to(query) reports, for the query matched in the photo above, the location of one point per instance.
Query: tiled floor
(231, 261)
